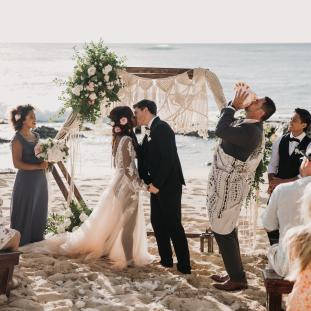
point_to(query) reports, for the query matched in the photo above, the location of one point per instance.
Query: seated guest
(9, 238)
(299, 241)
(285, 160)
(283, 213)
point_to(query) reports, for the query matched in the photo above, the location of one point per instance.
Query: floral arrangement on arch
(94, 83)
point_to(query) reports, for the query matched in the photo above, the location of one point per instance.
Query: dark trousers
(274, 237)
(230, 251)
(167, 226)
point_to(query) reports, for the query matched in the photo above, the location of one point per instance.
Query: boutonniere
(298, 151)
(148, 132)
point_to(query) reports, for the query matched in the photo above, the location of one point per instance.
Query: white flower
(110, 86)
(91, 71)
(75, 228)
(106, 78)
(83, 217)
(77, 89)
(102, 94)
(107, 69)
(67, 223)
(68, 213)
(92, 96)
(17, 117)
(61, 228)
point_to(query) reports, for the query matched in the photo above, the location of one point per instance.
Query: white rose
(61, 229)
(110, 86)
(68, 213)
(108, 68)
(91, 71)
(83, 217)
(92, 96)
(76, 90)
(67, 223)
(106, 78)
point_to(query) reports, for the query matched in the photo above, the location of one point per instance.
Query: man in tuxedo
(235, 161)
(160, 168)
(285, 162)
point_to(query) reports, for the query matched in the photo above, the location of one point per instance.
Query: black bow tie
(147, 128)
(294, 139)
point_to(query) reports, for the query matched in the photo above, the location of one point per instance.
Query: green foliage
(69, 220)
(270, 133)
(94, 82)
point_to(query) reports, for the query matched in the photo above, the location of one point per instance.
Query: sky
(159, 21)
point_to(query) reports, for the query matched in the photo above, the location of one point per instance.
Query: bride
(116, 227)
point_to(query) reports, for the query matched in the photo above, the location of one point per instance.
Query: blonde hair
(299, 238)
(299, 246)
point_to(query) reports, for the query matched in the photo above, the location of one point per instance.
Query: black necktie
(294, 139)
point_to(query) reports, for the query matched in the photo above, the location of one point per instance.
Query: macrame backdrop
(183, 103)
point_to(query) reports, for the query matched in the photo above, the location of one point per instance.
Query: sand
(58, 283)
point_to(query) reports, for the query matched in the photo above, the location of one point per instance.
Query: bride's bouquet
(52, 150)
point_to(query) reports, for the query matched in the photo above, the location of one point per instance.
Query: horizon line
(158, 43)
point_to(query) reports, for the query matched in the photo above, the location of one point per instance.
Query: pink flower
(91, 102)
(38, 149)
(117, 130)
(90, 86)
(123, 121)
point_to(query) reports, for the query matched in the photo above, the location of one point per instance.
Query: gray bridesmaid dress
(29, 204)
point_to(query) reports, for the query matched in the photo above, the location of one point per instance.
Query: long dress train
(116, 226)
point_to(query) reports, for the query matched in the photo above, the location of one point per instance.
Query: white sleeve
(275, 158)
(269, 217)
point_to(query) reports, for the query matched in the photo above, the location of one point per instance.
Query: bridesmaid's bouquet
(52, 150)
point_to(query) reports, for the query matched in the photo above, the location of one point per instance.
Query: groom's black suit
(159, 164)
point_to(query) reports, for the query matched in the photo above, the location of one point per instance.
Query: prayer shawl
(228, 186)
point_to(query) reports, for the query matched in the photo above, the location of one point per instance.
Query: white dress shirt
(275, 158)
(283, 213)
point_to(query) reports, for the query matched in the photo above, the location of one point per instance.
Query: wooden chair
(8, 259)
(276, 286)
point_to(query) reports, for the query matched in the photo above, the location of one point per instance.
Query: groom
(160, 168)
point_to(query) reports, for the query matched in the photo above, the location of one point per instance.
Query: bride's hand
(153, 189)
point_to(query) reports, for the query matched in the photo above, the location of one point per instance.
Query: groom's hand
(153, 189)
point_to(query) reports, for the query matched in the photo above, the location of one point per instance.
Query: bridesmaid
(29, 204)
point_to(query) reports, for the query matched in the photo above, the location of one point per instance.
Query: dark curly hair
(20, 113)
(118, 129)
(305, 117)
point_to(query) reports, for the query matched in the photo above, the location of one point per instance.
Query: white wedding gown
(116, 227)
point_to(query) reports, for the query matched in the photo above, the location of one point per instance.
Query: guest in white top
(283, 213)
(286, 151)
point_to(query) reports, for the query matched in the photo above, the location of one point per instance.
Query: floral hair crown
(123, 121)
(17, 117)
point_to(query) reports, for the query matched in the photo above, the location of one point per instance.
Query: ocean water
(280, 71)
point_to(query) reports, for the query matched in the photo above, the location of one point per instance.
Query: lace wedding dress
(116, 227)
